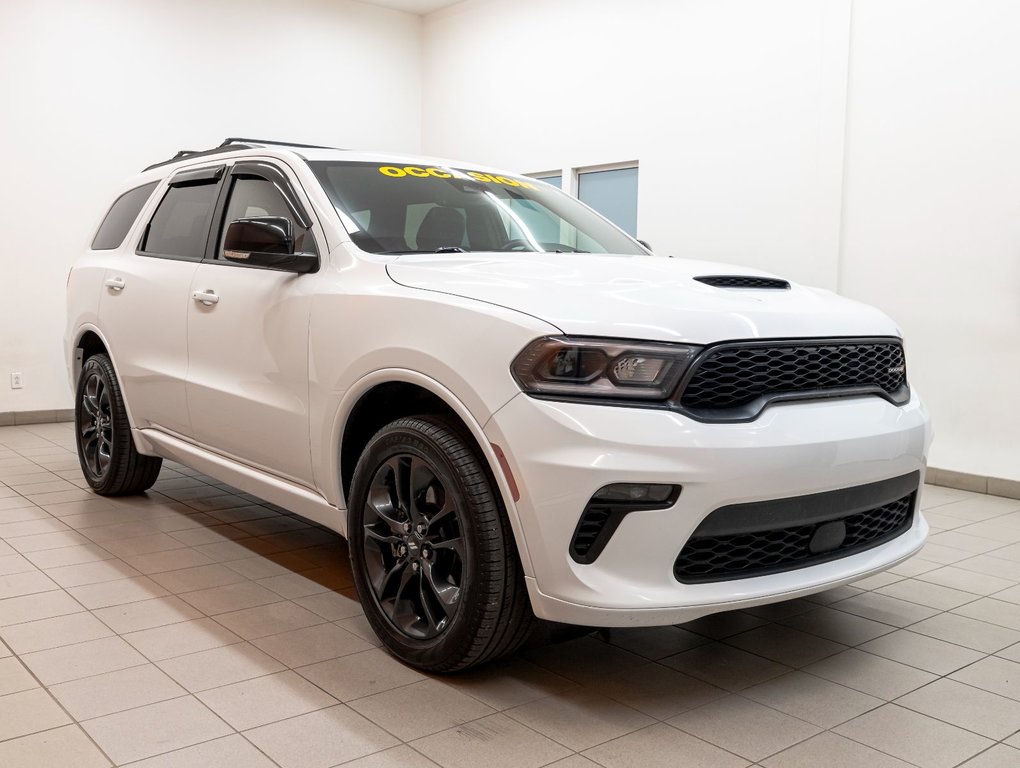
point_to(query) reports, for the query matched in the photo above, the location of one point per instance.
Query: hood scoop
(744, 281)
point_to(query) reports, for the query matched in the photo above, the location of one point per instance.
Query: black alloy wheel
(95, 428)
(432, 552)
(414, 553)
(106, 451)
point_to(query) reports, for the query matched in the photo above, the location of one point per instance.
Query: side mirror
(266, 241)
(646, 245)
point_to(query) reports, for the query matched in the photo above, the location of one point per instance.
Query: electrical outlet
(17, 380)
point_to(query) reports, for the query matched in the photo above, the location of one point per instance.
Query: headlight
(601, 368)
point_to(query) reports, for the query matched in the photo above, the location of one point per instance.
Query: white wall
(94, 91)
(932, 216)
(894, 178)
(734, 110)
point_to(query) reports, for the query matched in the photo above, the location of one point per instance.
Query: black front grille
(743, 281)
(739, 375)
(758, 553)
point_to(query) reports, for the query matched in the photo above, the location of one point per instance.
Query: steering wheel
(515, 245)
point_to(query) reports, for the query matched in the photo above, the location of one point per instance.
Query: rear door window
(180, 227)
(121, 216)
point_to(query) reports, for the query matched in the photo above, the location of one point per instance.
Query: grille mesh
(743, 555)
(592, 522)
(743, 281)
(734, 376)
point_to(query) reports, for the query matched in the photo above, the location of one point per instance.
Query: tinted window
(180, 226)
(250, 198)
(121, 216)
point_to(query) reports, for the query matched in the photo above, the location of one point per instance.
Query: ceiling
(413, 6)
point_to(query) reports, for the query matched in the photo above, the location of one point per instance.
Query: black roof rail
(229, 145)
(193, 153)
(236, 140)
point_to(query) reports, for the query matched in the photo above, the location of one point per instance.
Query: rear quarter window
(120, 217)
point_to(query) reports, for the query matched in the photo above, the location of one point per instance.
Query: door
(144, 306)
(247, 381)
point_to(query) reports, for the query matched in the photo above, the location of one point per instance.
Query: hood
(639, 297)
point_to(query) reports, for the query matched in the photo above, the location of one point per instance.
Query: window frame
(211, 175)
(256, 168)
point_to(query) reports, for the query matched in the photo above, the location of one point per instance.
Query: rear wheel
(106, 452)
(432, 552)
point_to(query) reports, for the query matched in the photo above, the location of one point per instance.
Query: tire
(106, 451)
(426, 526)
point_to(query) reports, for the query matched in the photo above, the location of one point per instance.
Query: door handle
(207, 297)
(115, 283)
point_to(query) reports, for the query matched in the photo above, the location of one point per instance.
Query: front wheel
(106, 452)
(431, 549)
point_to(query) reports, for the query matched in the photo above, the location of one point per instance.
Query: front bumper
(561, 453)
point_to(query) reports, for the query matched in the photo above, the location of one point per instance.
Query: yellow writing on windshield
(417, 172)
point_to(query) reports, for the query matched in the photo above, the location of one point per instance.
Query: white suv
(508, 406)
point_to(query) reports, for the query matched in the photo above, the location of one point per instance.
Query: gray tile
(420, 709)
(579, 719)
(220, 666)
(925, 593)
(744, 727)
(71, 662)
(182, 638)
(53, 633)
(264, 700)
(884, 609)
(999, 756)
(992, 674)
(226, 752)
(972, 708)
(813, 699)
(360, 674)
(913, 737)
(970, 633)
(725, 667)
(656, 690)
(785, 645)
(870, 674)
(155, 729)
(64, 746)
(921, 651)
(28, 712)
(832, 751)
(660, 746)
(310, 645)
(320, 739)
(111, 692)
(134, 617)
(496, 741)
(838, 626)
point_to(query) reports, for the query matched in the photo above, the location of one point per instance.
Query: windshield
(424, 209)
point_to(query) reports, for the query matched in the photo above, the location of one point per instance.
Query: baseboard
(965, 481)
(19, 418)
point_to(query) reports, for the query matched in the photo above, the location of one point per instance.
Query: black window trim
(255, 169)
(191, 177)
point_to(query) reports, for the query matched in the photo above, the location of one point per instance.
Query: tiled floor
(198, 627)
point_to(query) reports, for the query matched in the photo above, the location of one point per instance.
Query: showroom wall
(734, 110)
(932, 210)
(868, 146)
(94, 91)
